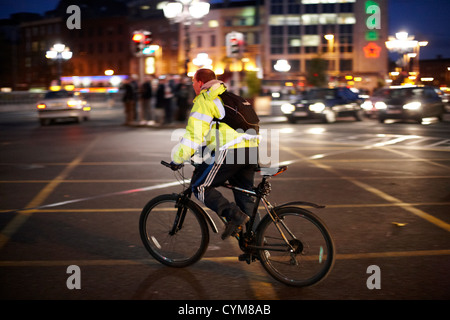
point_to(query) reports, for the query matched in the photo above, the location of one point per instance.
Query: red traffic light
(138, 37)
(147, 39)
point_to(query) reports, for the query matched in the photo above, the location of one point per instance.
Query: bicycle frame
(260, 193)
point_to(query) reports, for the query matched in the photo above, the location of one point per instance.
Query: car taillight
(41, 106)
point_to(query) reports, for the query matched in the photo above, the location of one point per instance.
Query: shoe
(248, 257)
(237, 222)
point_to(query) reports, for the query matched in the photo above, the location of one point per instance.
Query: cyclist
(227, 154)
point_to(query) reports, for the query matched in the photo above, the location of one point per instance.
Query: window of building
(311, 40)
(346, 7)
(293, 7)
(328, 8)
(294, 46)
(213, 23)
(311, 49)
(346, 65)
(276, 7)
(311, 8)
(309, 19)
(311, 29)
(346, 18)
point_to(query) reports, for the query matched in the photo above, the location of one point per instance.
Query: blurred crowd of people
(157, 101)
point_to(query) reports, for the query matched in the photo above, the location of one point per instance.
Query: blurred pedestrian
(185, 96)
(145, 114)
(164, 99)
(129, 100)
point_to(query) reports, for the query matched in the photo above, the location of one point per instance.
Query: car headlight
(317, 107)
(412, 105)
(367, 105)
(287, 108)
(380, 105)
(41, 106)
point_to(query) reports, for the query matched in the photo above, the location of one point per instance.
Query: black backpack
(239, 113)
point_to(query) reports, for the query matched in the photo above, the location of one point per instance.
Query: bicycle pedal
(247, 257)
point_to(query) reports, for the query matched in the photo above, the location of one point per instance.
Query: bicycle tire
(314, 253)
(181, 249)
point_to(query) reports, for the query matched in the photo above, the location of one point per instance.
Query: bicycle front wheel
(298, 249)
(175, 235)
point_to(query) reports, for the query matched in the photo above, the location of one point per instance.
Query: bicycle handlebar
(166, 164)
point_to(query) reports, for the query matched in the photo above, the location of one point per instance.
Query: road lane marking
(150, 261)
(344, 205)
(416, 158)
(379, 193)
(21, 217)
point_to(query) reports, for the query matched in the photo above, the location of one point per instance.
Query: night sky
(426, 19)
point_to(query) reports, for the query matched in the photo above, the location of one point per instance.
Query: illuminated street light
(409, 48)
(202, 60)
(333, 57)
(59, 52)
(282, 66)
(186, 11)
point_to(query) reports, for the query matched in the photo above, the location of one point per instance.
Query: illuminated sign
(372, 50)
(373, 22)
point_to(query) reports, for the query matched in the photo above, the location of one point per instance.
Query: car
(370, 104)
(410, 103)
(62, 104)
(325, 104)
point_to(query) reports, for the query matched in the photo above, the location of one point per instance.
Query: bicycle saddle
(271, 171)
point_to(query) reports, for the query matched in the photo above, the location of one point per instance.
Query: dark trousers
(237, 166)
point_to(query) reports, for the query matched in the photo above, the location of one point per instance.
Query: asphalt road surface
(71, 195)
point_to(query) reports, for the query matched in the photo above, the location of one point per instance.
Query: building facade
(348, 34)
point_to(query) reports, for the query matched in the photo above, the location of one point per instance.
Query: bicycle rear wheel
(309, 256)
(175, 236)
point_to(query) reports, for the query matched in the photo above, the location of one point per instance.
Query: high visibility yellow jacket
(201, 129)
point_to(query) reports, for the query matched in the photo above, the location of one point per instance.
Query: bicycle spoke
(174, 236)
(303, 254)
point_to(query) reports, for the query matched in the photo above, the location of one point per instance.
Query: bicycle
(293, 245)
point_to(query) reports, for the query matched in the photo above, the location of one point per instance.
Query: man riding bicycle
(231, 154)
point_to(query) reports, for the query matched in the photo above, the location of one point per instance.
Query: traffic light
(235, 43)
(138, 38)
(142, 40)
(234, 46)
(147, 39)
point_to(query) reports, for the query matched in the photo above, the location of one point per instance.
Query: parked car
(325, 104)
(62, 105)
(410, 103)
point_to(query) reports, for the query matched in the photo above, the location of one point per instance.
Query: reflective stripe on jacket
(201, 129)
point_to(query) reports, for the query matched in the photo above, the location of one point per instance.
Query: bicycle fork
(294, 246)
(181, 214)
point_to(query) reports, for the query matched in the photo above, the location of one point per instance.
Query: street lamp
(408, 47)
(282, 66)
(59, 52)
(202, 60)
(185, 11)
(333, 58)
